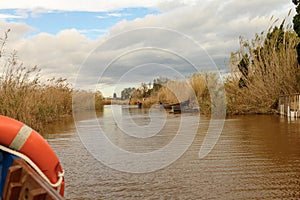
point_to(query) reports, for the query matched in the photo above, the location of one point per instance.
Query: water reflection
(256, 157)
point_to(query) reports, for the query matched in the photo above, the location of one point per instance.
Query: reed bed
(86, 101)
(27, 97)
(262, 70)
(175, 91)
(272, 71)
(24, 97)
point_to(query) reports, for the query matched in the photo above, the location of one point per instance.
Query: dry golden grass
(148, 102)
(195, 89)
(25, 97)
(175, 91)
(273, 71)
(84, 101)
(199, 84)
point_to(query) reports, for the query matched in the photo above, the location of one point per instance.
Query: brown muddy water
(256, 157)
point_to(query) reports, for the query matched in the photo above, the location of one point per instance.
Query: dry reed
(25, 97)
(85, 101)
(272, 71)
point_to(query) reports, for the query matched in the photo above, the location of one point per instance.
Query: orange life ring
(19, 137)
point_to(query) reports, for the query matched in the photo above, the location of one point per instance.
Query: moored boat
(183, 109)
(168, 106)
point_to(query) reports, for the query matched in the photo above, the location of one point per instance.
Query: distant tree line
(145, 90)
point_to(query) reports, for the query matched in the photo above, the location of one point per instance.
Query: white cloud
(96, 5)
(114, 14)
(215, 25)
(172, 5)
(8, 16)
(101, 17)
(57, 55)
(16, 34)
(79, 5)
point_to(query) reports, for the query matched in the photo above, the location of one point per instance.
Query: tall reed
(197, 89)
(25, 97)
(86, 101)
(272, 70)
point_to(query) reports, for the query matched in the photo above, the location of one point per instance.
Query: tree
(296, 22)
(127, 92)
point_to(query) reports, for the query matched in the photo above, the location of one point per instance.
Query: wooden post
(289, 105)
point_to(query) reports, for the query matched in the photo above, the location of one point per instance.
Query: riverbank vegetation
(27, 97)
(166, 91)
(263, 69)
(260, 71)
(24, 97)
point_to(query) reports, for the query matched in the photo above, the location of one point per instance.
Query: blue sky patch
(91, 24)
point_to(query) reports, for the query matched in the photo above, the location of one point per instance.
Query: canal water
(256, 156)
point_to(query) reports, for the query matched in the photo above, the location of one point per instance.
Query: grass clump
(24, 95)
(262, 70)
(86, 101)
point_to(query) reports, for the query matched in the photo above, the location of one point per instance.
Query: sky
(110, 45)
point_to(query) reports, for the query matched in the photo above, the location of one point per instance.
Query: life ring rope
(34, 166)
